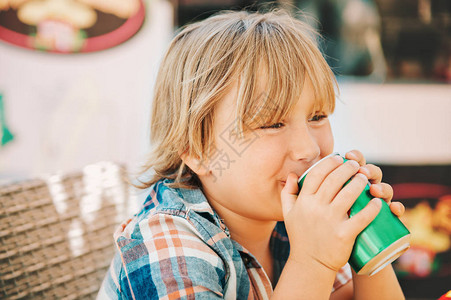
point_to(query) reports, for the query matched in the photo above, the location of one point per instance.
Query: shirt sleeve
(344, 275)
(164, 257)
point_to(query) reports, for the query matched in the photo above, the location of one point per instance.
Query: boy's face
(247, 175)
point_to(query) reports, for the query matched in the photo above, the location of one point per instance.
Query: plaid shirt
(178, 247)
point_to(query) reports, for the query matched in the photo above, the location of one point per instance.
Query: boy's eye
(317, 118)
(273, 126)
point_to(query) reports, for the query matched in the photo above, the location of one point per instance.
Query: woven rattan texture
(56, 234)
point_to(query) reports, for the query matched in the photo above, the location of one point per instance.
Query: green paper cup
(381, 242)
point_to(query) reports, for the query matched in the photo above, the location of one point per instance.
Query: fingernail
(377, 187)
(365, 171)
(362, 176)
(351, 155)
(353, 162)
(338, 158)
(376, 201)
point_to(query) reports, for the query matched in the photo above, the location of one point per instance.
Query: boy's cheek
(326, 145)
(325, 140)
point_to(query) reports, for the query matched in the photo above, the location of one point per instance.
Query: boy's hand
(378, 189)
(320, 231)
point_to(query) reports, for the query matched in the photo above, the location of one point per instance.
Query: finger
(289, 193)
(316, 176)
(349, 194)
(374, 173)
(397, 208)
(335, 181)
(382, 190)
(364, 217)
(357, 156)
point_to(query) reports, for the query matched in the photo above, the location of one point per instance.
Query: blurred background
(76, 81)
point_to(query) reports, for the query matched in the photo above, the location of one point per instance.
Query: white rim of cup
(314, 165)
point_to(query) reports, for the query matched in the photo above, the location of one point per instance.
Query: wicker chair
(56, 233)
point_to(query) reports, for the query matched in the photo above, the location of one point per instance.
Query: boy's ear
(195, 164)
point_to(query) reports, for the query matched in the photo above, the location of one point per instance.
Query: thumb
(289, 193)
(364, 217)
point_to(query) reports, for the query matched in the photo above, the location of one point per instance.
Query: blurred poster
(424, 270)
(68, 26)
(385, 40)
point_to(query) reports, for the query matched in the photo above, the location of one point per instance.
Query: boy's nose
(303, 145)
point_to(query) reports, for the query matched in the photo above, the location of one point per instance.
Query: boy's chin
(278, 215)
(274, 215)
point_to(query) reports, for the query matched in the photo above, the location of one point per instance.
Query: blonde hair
(201, 64)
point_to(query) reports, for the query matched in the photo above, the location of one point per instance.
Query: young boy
(240, 111)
